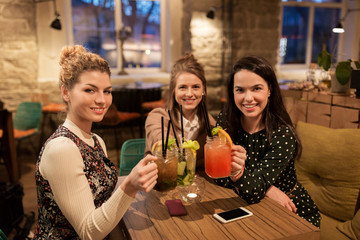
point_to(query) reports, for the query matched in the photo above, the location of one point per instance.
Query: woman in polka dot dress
(266, 144)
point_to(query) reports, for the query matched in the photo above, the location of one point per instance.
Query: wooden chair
(148, 106)
(40, 97)
(115, 119)
(7, 145)
(26, 123)
(53, 115)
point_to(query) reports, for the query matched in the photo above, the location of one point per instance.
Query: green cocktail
(187, 163)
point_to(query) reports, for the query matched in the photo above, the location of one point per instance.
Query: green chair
(114, 120)
(27, 121)
(132, 151)
(2, 235)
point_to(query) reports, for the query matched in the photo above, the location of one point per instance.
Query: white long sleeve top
(62, 166)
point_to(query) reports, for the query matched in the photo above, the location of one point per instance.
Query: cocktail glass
(194, 192)
(217, 158)
(186, 167)
(167, 171)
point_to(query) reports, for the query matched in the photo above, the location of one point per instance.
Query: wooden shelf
(323, 108)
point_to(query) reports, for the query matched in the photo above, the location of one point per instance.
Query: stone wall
(18, 55)
(240, 27)
(256, 29)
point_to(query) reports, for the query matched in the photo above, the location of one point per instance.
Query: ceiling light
(56, 23)
(339, 27)
(211, 13)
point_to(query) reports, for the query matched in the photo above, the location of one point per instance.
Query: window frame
(312, 6)
(165, 39)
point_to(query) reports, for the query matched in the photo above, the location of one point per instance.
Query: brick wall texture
(240, 27)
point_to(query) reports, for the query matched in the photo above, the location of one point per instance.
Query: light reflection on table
(148, 218)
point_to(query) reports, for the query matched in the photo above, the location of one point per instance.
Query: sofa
(329, 168)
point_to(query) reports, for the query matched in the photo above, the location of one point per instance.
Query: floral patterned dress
(267, 164)
(102, 178)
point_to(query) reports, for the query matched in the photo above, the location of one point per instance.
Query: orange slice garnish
(224, 136)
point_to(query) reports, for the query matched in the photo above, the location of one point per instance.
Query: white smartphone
(232, 215)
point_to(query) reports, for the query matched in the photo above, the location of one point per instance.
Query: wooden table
(129, 97)
(52, 113)
(148, 218)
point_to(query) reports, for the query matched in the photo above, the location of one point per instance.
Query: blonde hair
(75, 60)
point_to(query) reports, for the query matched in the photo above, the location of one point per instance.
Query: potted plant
(340, 78)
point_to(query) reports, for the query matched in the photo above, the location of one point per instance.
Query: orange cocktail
(217, 158)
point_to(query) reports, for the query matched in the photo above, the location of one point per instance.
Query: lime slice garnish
(181, 168)
(171, 143)
(194, 145)
(215, 130)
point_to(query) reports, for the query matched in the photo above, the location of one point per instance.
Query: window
(307, 30)
(100, 25)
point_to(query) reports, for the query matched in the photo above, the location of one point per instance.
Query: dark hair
(274, 114)
(188, 64)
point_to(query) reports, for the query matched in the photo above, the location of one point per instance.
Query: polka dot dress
(267, 164)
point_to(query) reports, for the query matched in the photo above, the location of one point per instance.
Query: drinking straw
(182, 129)
(172, 125)
(182, 124)
(206, 118)
(167, 137)
(162, 137)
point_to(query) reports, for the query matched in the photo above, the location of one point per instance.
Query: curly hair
(189, 64)
(75, 60)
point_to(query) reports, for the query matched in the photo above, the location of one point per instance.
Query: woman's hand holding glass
(142, 177)
(238, 158)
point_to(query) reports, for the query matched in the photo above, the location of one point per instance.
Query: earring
(203, 94)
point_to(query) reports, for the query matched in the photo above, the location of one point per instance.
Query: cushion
(329, 168)
(54, 107)
(21, 133)
(111, 118)
(148, 106)
(127, 116)
(328, 230)
(114, 117)
(351, 228)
